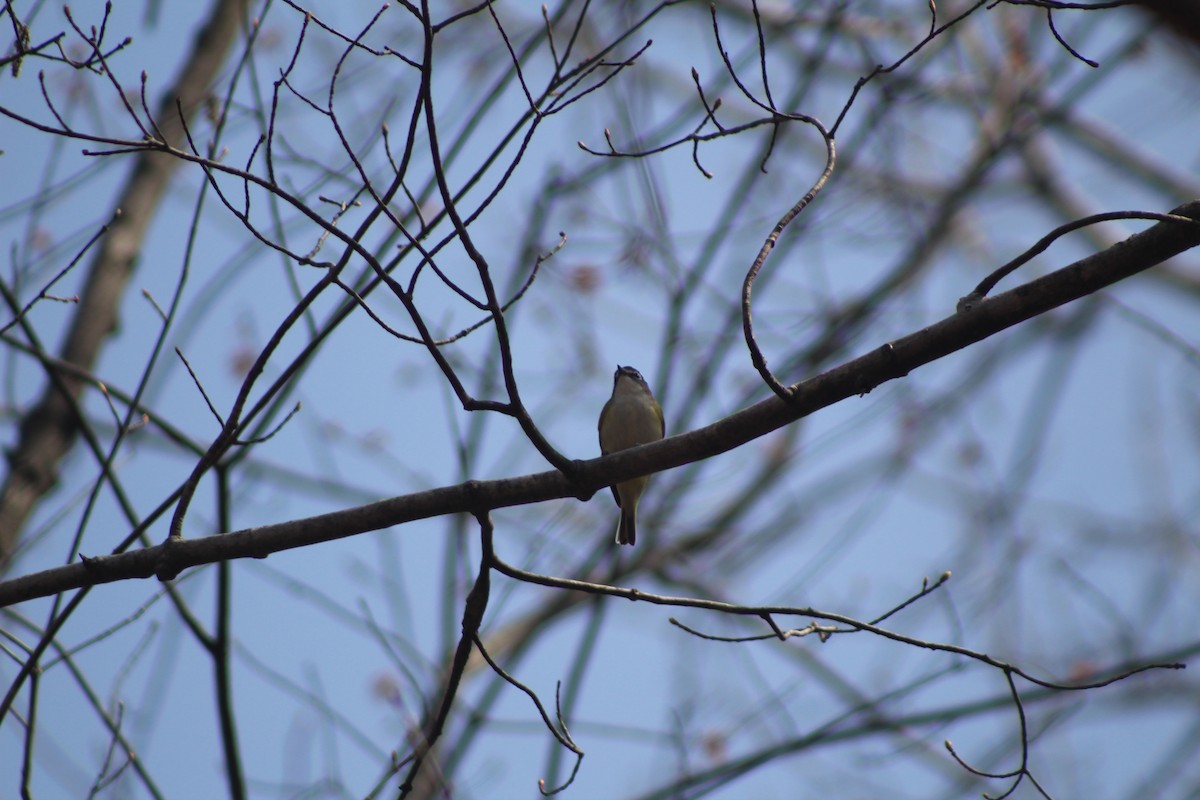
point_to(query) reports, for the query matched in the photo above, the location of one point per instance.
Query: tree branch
(855, 377)
(49, 428)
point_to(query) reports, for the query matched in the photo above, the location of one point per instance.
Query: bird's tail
(627, 528)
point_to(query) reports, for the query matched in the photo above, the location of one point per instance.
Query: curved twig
(967, 302)
(756, 356)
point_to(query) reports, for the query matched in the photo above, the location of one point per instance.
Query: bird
(630, 417)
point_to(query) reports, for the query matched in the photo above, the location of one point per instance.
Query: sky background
(1052, 468)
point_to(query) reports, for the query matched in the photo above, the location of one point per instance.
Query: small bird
(630, 417)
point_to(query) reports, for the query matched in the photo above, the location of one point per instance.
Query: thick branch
(49, 428)
(859, 376)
